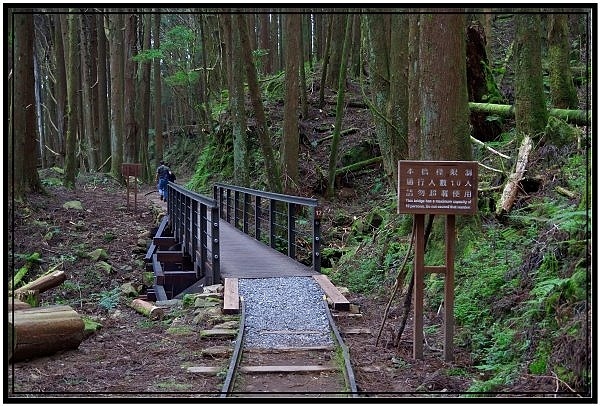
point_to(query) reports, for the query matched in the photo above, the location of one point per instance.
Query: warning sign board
(437, 187)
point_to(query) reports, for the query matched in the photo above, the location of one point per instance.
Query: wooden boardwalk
(244, 257)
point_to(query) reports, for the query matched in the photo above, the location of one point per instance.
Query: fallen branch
(344, 132)
(492, 150)
(105, 162)
(359, 165)
(566, 192)
(512, 185)
(489, 168)
(45, 282)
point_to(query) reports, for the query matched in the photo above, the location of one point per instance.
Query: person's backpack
(172, 177)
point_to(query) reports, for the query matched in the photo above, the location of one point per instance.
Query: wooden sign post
(127, 170)
(435, 187)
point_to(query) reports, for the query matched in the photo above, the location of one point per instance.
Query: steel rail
(348, 372)
(237, 352)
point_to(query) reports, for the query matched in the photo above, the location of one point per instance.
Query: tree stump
(40, 331)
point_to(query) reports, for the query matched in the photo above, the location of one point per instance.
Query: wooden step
(338, 300)
(286, 368)
(231, 296)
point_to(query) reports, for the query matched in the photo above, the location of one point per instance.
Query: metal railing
(289, 224)
(194, 222)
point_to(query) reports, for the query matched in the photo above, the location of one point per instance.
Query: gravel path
(284, 312)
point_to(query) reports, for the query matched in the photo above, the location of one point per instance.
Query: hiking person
(162, 177)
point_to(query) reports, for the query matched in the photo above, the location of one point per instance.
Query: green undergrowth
(522, 282)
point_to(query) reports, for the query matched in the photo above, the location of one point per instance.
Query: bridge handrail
(194, 222)
(222, 195)
(304, 201)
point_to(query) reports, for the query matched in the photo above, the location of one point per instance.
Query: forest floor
(133, 357)
(130, 356)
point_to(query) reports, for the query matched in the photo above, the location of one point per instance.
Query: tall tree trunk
(130, 99)
(397, 108)
(237, 108)
(117, 128)
(290, 142)
(531, 114)
(158, 128)
(86, 93)
(414, 119)
(355, 67)
(388, 59)
(326, 58)
(23, 137)
(102, 92)
(335, 50)
(144, 104)
(562, 90)
(72, 89)
(264, 42)
(302, 87)
(339, 110)
(61, 87)
(272, 169)
(442, 93)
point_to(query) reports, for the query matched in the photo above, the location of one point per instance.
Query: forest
(323, 103)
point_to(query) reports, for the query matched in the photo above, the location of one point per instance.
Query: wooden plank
(231, 296)
(286, 368)
(205, 370)
(218, 332)
(339, 301)
(357, 330)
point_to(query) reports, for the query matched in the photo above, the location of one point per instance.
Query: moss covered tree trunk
(562, 90)
(339, 111)
(143, 113)
(237, 108)
(389, 75)
(102, 90)
(273, 172)
(117, 27)
(531, 114)
(72, 89)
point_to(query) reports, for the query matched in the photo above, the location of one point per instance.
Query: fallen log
(147, 309)
(41, 331)
(512, 185)
(44, 282)
(578, 117)
(16, 304)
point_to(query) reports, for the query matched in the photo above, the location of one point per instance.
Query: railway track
(322, 371)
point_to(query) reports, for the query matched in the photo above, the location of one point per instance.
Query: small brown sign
(129, 169)
(437, 187)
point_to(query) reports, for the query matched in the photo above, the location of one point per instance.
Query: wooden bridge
(236, 233)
